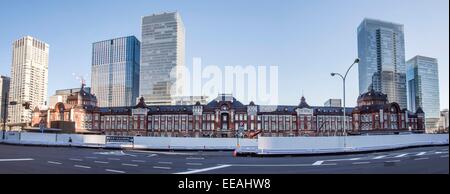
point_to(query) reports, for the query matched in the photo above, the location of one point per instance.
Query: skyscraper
(29, 78)
(423, 89)
(115, 71)
(381, 49)
(162, 53)
(4, 93)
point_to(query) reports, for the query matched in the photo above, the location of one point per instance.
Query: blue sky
(307, 39)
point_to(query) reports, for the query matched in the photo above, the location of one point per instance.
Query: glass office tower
(162, 54)
(381, 49)
(423, 89)
(115, 71)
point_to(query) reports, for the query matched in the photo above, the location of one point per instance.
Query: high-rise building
(381, 49)
(4, 93)
(333, 103)
(115, 71)
(61, 95)
(29, 78)
(423, 89)
(443, 120)
(162, 55)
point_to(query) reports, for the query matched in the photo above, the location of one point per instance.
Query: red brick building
(225, 114)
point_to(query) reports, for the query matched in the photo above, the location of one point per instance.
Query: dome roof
(419, 111)
(372, 95)
(303, 103)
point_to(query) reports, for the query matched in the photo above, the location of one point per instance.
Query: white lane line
(444, 156)
(421, 153)
(379, 157)
(204, 170)
(166, 153)
(101, 162)
(16, 160)
(165, 162)
(115, 171)
(81, 166)
(344, 159)
(140, 161)
(191, 158)
(113, 159)
(361, 163)
(421, 159)
(441, 152)
(75, 159)
(194, 164)
(317, 163)
(162, 167)
(125, 164)
(280, 165)
(393, 161)
(91, 157)
(51, 162)
(401, 155)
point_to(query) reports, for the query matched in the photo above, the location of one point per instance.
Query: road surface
(15, 159)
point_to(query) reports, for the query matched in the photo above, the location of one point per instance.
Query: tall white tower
(29, 78)
(162, 57)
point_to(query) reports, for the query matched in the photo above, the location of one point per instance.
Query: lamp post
(5, 105)
(343, 80)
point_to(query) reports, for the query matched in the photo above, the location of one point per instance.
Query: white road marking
(361, 163)
(393, 161)
(279, 165)
(116, 171)
(101, 162)
(204, 170)
(152, 155)
(194, 164)
(165, 162)
(379, 157)
(113, 159)
(444, 156)
(166, 153)
(125, 164)
(75, 159)
(90, 157)
(317, 163)
(441, 152)
(162, 167)
(16, 160)
(140, 161)
(401, 155)
(421, 159)
(51, 162)
(125, 154)
(191, 158)
(81, 166)
(421, 153)
(344, 159)
(191, 169)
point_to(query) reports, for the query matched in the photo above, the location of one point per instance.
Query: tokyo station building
(223, 116)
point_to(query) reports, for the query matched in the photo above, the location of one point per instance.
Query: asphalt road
(63, 160)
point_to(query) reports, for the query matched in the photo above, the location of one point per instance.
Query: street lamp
(343, 79)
